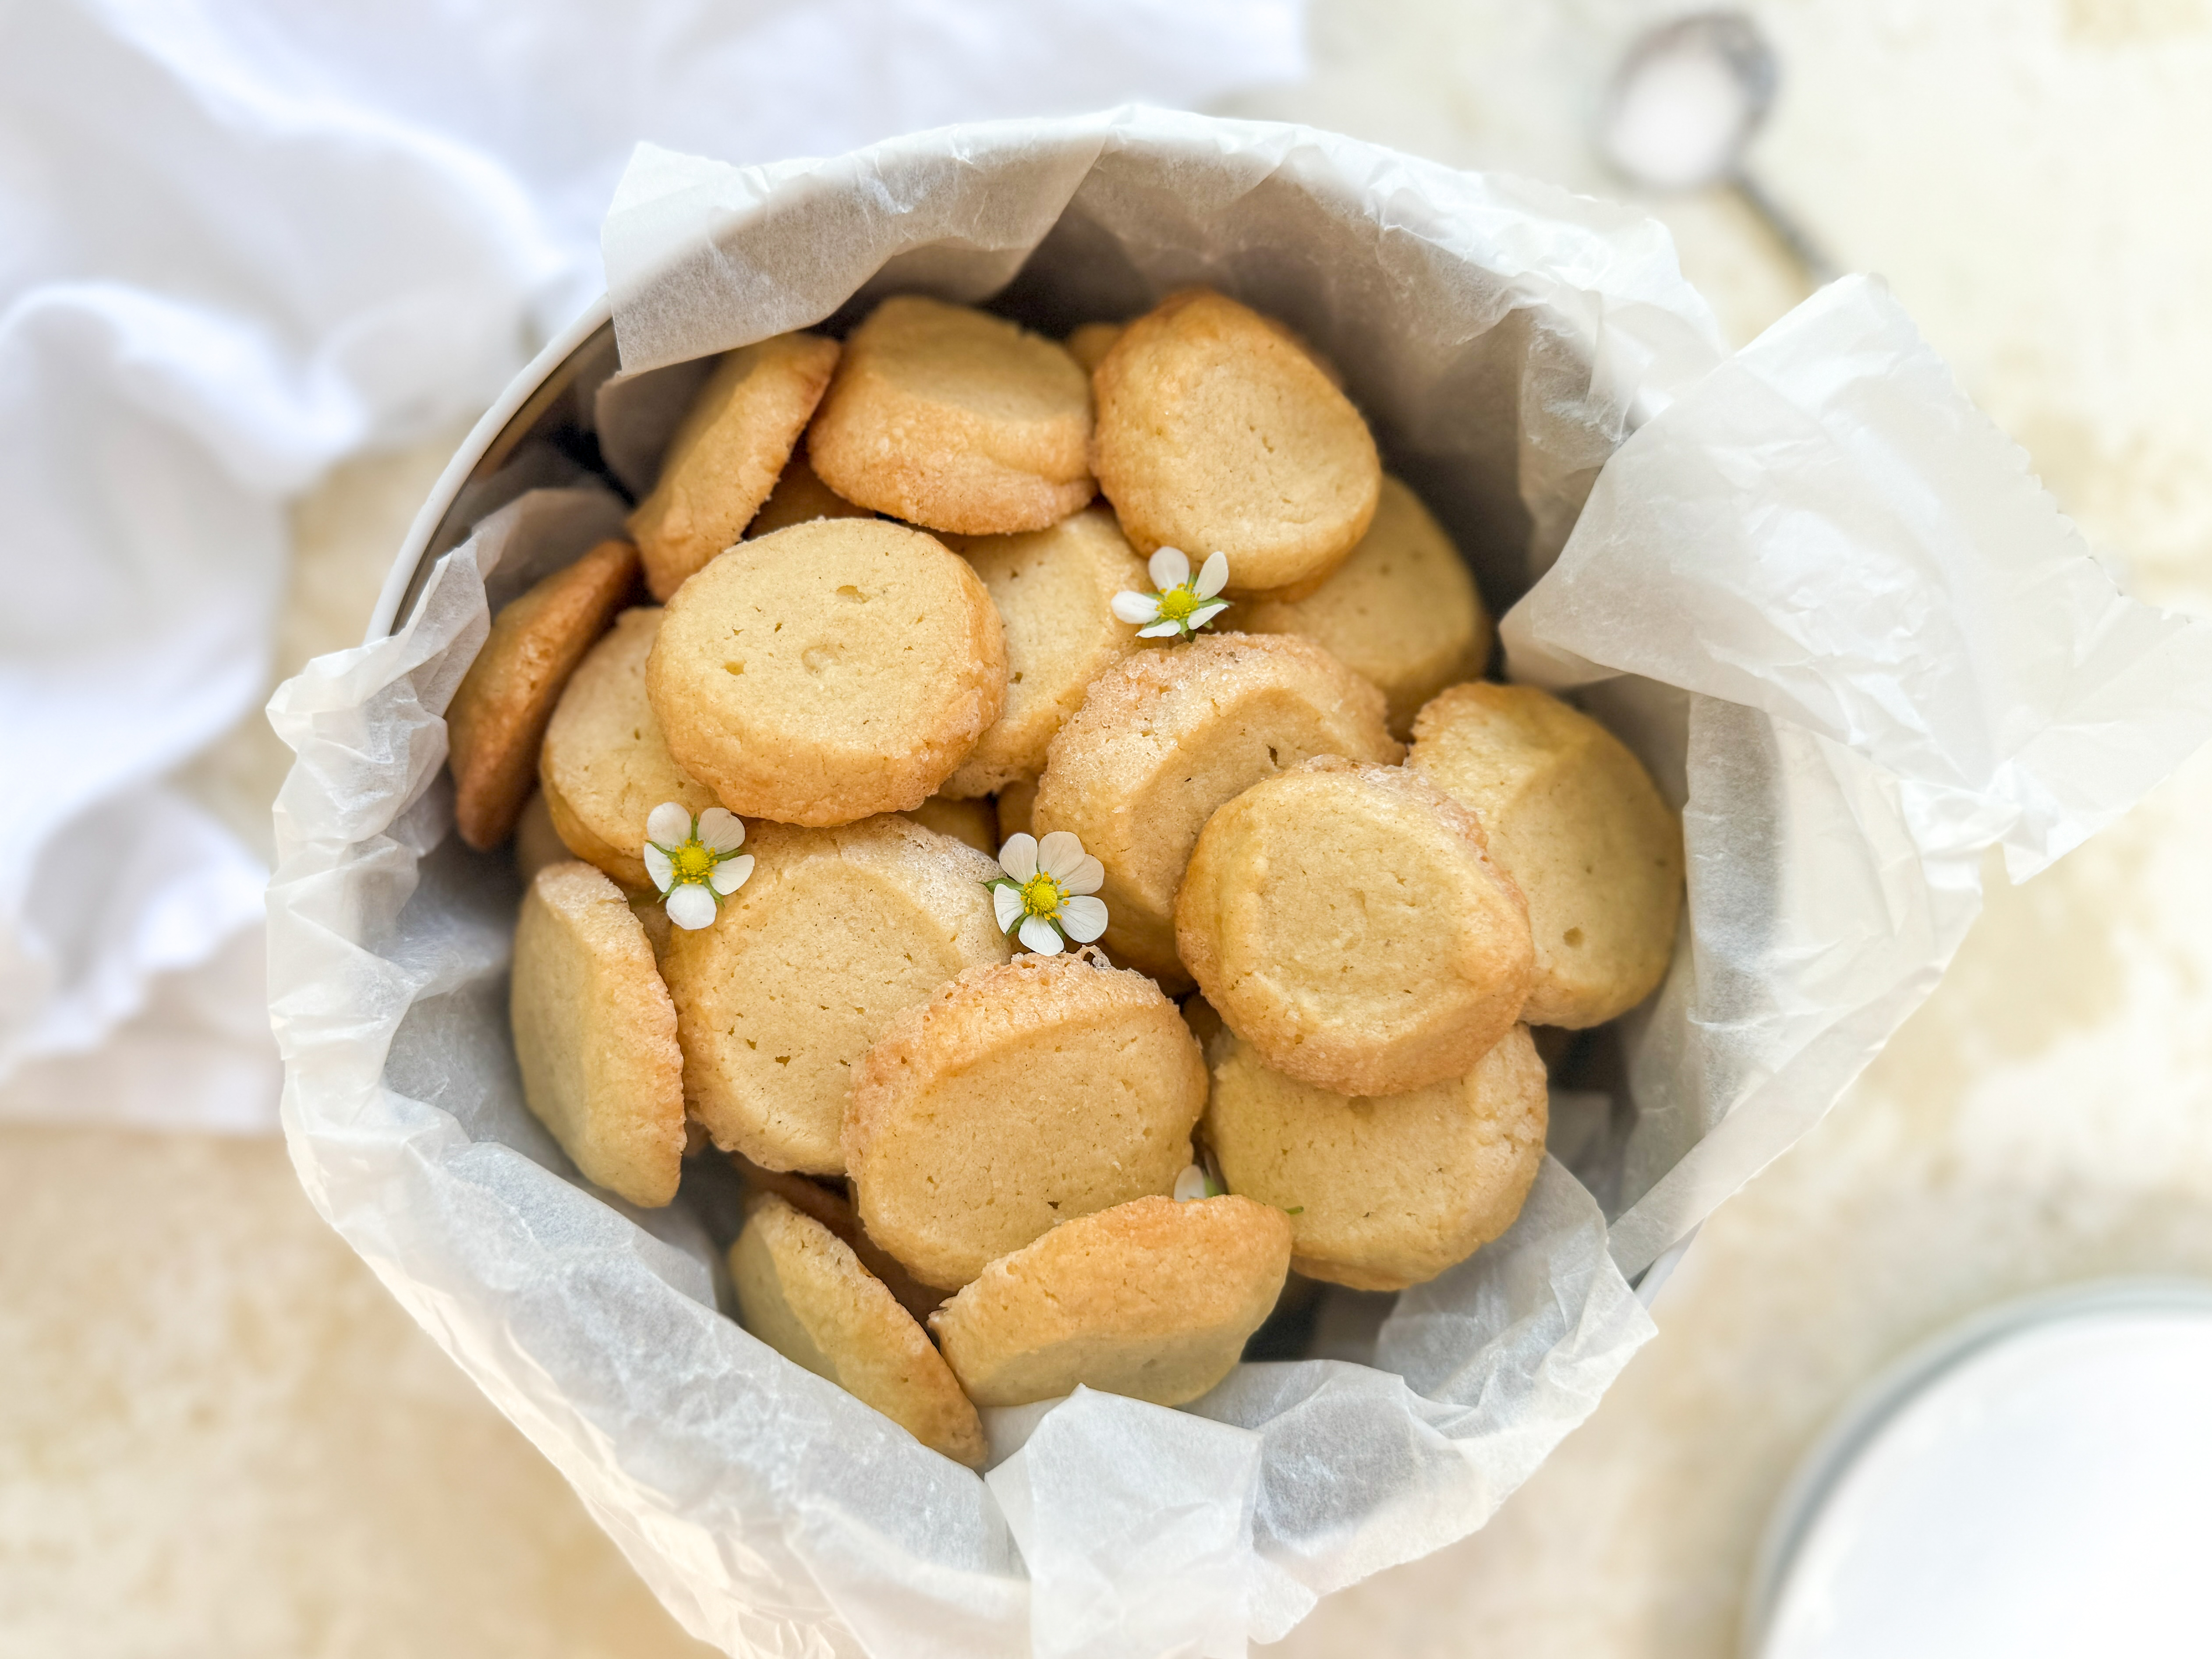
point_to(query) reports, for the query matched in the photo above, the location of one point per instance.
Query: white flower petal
(658, 866)
(1083, 919)
(1213, 575)
(1190, 1184)
(1006, 905)
(691, 906)
(1017, 858)
(1163, 630)
(721, 830)
(1059, 855)
(1041, 936)
(732, 874)
(669, 824)
(1087, 877)
(1207, 613)
(1135, 607)
(1169, 568)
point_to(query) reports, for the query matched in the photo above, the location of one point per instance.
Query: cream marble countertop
(219, 1436)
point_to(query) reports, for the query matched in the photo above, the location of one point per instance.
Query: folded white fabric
(242, 243)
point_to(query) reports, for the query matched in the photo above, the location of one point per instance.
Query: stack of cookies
(928, 690)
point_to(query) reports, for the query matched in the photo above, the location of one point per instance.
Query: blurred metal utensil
(1687, 100)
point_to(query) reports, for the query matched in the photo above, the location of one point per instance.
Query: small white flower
(695, 861)
(1195, 1183)
(1045, 892)
(1182, 605)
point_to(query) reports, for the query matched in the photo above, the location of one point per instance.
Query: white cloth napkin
(238, 244)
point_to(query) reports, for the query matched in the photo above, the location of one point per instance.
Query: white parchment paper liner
(1817, 590)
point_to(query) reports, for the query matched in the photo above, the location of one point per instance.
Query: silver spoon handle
(1786, 230)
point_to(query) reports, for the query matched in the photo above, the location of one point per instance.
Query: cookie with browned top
(806, 965)
(1401, 612)
(499, 712)
(1153, 1298)
(727, 455)
(595, 1033)
(1163, 738)
(1577, 822)
(952, 418)
(1346, 921)
(829, 672)
(1016, 1097)
(802, 1290)
(1054, 592)
(1217, 431)
(1382, 1192)
(604, 765)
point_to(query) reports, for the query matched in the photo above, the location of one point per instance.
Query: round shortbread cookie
(802, 1290)
(595, 1035)
(499, 712)
(1577, 822)
(724, 459)
(1017, 806)
(971, 821)
(799, 497)
(1163, 738)
(1090, 343)
(1402, 610)
(829, 672)
(1218, 432)
(1016, 1097)
(604, 765)
(952, 418)
(804, 966)
(1154, 1299)
(1383, 1193)
(1345, 922)
(1054, 592)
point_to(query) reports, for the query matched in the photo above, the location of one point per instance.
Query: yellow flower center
(693, 862)
(1177, 602)
(1041, 896)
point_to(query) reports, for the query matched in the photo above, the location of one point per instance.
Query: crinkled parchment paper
(1818, 592)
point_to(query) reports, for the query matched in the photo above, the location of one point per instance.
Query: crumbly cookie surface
(1216, 430)
(1153, 1298)
(604, 764)
(1401, 612)
(1054, 592)
(726, 457)
(1163, 738)
(950, 418)
(1345, 921)
(804, 966)
(802, 1290)
(595, 1033)
(1017, 1098)
(499, 710)
(832, 670)
(1383, 1193)
(1574, 818)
